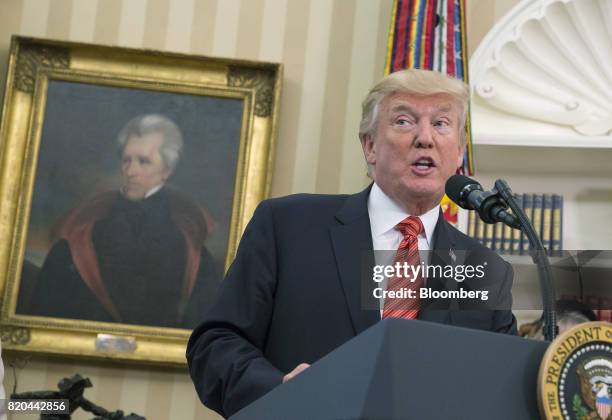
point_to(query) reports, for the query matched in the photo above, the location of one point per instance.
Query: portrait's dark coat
(135, 262)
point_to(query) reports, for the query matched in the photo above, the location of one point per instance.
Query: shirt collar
(386, 213)
(148, 193)
(153, 190)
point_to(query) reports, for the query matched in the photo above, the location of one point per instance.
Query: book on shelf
(557, 224)
(480, 228)
(528, 209)
(507, 239)
(498, 237)
(488, 235)
(471, 228)
(546, 222)
(536, 219)
(515, 242)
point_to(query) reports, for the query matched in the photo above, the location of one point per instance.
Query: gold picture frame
(64, 104)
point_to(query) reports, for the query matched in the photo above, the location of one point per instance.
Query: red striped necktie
(407, 252)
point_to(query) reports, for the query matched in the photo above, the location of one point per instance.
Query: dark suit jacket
(130, 261)
(293, 294)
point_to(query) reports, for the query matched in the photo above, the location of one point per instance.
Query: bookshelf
(582, 176)
(540, 121)
(586, 187)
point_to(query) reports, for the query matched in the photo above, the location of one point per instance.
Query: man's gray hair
(172, 146)
(416, 82)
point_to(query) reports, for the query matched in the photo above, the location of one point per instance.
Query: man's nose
(130, 169)
(424, 137)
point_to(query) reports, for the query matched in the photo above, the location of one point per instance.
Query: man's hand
(295, 372)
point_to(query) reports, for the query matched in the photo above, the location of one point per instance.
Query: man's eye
(402, 121)
(441, 123)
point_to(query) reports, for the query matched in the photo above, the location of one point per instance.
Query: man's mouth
(424, 163)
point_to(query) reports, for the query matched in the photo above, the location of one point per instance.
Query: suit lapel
(443, 242)
(352, 244)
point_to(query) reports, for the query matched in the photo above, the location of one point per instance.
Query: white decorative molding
(582, 142)
(550, 61)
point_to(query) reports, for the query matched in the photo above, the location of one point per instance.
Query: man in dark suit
(295, 292)
(136, 255)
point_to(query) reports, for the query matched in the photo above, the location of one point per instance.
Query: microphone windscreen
(456, 184)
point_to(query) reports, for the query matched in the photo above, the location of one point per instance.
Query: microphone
(491, 207)
(469, 195)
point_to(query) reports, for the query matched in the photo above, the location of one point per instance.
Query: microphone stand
(540, 258)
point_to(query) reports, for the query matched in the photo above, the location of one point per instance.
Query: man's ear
(369, 148)
(461, 155)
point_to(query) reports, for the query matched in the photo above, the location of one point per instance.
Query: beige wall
(481, 16)
(332, 52)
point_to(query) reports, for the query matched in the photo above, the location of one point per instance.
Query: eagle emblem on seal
(596, 388)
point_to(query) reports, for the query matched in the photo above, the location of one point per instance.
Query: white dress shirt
(148, 193)
(384, 215)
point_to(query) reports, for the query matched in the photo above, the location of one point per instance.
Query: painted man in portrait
(135, 255)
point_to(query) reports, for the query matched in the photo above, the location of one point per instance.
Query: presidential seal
(575, 379)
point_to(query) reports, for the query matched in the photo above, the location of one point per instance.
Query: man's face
(415, 148)
(142, 165)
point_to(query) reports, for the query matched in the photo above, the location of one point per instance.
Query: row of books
(546, 214)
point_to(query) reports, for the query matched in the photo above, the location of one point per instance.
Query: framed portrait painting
(126, 179)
